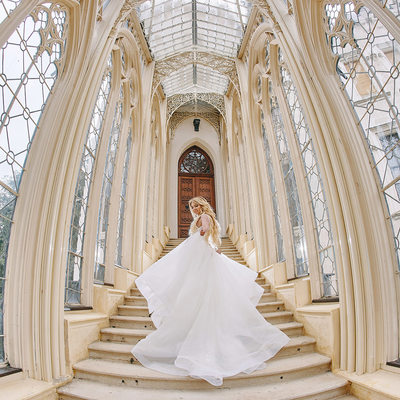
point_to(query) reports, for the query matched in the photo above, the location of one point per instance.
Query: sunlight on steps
(111, 371)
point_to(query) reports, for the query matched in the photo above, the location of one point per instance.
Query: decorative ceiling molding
(125, 10)
(177, 100)
(133, 25)
(265, 8)
(224, 65)
(215, 100)
(212, 117)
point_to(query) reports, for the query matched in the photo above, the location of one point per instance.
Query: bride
(203, 305)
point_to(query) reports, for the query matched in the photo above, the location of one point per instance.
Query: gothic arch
(223, 65)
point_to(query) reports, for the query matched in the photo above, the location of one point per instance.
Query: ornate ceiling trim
(178, 100)
(128, 15)
(224, 65)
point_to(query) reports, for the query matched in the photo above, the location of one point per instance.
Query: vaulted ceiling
(203, 28)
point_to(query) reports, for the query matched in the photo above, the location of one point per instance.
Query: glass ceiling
(175, 26)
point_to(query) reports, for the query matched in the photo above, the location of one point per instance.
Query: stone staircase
(111, 371)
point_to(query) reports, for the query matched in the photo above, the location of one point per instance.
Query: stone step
(123, 335)
(119, 351)
(271, 306)
(135, 310)
(271, 311)
(324, 386)
(135, 375)
(135, 317)
(223, 246)
(143, 326)
(346, 397)
(135, 291)
(233, 256)
(131, 322)
(267, 297)
(135, 300)
(278, 317)
(141, 301)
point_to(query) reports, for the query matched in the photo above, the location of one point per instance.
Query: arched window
(280, 248)
(122, 202)
(327, 261)
(73, 278)
(105, 199)
(195, 161)
(368, 58)
(292, 196)
(30, 62)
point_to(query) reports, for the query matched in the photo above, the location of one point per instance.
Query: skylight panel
(175, 26)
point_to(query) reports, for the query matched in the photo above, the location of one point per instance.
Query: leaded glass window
(315, 186)
(195, 162)
(368, 58)
(7, 7)
(73, 280)
(292, 196)
(280, 250)
(30, 63)
(149, 187)
(393, 6)
(105, 197)
(122, 202)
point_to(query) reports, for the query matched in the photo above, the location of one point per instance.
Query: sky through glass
(212, 26)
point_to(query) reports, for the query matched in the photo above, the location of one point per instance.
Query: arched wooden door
(195, 178)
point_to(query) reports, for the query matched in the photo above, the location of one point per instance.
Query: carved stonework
(224, 65)
(177, 100)
(53, 32)
(336, 22)
(289, 7)
(128, 7)
(259, 19)
(215, 100)
(265, 8)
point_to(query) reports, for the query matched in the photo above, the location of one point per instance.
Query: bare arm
(205, 224)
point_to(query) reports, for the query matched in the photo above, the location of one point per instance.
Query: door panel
(195, 178)
(187, 189)
(192, 186)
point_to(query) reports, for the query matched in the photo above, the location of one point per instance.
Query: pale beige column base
(383, 384)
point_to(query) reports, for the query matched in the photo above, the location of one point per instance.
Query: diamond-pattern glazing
(295, 213)
(274, 193)
(30, 62)
(368, 65)
(121, 213)
(320, 209)
(73, 279)
(105, 198)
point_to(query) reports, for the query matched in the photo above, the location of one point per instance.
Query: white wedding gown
(203, 306)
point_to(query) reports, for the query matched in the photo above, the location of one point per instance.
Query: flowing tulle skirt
(203, 306)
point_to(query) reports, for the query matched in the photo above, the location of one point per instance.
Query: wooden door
(195, 178)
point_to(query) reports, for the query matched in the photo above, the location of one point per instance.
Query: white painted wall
(207, 139)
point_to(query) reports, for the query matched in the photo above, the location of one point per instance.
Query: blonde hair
(215, 229)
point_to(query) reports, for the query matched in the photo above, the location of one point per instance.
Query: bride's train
(203, 306)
